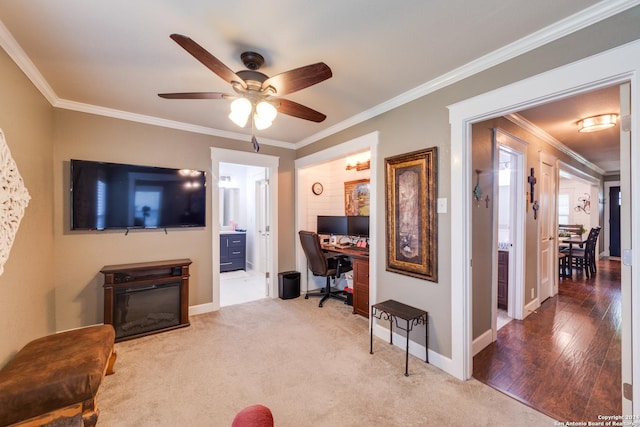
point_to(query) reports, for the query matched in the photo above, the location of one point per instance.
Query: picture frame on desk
(411, 203)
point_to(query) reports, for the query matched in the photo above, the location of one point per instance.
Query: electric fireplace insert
(146, 298)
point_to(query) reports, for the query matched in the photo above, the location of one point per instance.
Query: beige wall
(79, 256)
(52, 279)
(425, 123)
(27, 285)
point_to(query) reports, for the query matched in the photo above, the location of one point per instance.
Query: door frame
(362, 143)
(616, 66)
(252, 159)
(518, 149)
(606, 227)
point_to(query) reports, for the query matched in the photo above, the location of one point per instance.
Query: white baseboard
(201, 309)
(531, 307)
(417, 350)
(482, 341)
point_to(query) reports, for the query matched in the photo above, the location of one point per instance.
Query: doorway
(612, 67)
(252, 167)
(510, 217)
(611, 227)
(368, 142)
(243, 212)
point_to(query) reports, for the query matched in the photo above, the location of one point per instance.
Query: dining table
(575, 239)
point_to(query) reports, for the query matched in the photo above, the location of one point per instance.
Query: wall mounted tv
(119, 196)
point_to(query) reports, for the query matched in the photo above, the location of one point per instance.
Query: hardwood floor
(564, 359)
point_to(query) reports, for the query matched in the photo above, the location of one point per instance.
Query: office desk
(360, 257)
(393, 310)
(351, 251)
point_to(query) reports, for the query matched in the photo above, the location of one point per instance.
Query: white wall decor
(14, 198)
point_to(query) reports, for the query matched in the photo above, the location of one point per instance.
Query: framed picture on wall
(411, 203)
(356, 198)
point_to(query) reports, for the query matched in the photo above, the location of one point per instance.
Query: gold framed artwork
(411, 203)
(356, 198)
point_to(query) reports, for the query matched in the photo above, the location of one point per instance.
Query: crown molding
(575, 22)
(584, 18)
(535, 130)
(15, 52)
(172, 124)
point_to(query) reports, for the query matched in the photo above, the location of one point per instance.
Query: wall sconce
(359, 162)
(596, 123)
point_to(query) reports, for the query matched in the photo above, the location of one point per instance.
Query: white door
(625, 244)
(548, 285)
(262, 224)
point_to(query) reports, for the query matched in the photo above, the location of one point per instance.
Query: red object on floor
(253, 416)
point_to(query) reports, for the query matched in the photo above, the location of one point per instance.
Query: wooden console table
(394, 311)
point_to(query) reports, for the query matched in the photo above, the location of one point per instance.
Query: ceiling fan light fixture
(596, 123)
(261, 123)
(264, 115)
(266, 111)
(253, 88)
(240, 111)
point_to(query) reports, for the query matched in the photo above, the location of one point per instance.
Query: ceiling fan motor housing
(252, 60)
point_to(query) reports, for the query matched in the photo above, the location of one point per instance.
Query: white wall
(577, 189)
(332, 175)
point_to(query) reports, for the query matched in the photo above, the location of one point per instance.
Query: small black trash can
(289, 284)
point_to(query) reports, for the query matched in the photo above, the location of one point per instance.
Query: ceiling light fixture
(264, 113)
(596, 123)
(240, 110)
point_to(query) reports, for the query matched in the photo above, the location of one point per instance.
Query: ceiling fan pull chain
(254, 141)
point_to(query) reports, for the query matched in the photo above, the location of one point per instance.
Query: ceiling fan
(255, 92)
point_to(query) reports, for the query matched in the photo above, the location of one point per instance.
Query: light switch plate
(442, 205)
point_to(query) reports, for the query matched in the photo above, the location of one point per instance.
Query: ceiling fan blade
(299, 78)
(209, 61)
(294, 109)
(196, 95)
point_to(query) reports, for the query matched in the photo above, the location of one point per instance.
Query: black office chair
(321, 265)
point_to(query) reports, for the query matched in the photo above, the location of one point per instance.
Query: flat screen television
(120, 196)
(358, 226)
(332, 225)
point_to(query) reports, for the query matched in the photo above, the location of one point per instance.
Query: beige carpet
(310, 365)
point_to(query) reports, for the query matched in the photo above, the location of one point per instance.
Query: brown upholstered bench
(57, 377)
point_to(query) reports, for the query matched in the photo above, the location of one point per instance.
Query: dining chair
(585, 258)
